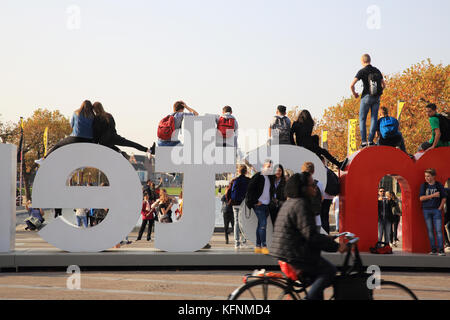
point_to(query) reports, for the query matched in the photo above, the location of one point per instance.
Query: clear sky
(138, 57)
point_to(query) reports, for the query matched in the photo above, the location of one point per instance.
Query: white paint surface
(8, 170)
(123, 197)
(195, 228)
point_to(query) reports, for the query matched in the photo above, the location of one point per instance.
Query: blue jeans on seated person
(261, 212)
(167, 143)
(434, 217)
(371, 103)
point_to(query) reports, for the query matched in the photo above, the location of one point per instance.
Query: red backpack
(166, 128)
(225, 124)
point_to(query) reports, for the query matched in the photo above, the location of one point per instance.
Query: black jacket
(256, 188)
(296, 239)
(104, 130)
(279, 191)
(386, 214)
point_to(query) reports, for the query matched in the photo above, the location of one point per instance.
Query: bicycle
(289, 285)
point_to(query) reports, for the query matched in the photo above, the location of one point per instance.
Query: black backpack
(333, 187)
(375, 88)
(444, 126)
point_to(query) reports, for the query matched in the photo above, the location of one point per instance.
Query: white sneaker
(237, 247)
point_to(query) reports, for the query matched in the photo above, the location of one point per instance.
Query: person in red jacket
(148, 217)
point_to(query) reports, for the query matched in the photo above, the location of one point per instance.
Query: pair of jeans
(167, 143)
(434, 217)
(384, 228)
(82, 219)
(371, 103)
(396, 141)
(323, 273)
(228, 218)
(238, 237)
(262, 212)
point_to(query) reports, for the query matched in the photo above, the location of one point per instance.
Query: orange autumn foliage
(423, 80)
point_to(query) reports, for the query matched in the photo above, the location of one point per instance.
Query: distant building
(143, 167)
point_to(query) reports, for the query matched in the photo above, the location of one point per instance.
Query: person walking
(239, 187)
(387, 131)
(385, 217)
(302, 130)
(105, 133)
(169, 126)
(296, 240)
(259, 194)
(279, 196)
(280, 128)
(317, 198)
(333, 187)
(433, 198)
(227, 211)
(374, 85)
(148, 217)
(396, 216)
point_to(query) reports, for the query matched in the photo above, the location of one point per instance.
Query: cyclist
(296, 240)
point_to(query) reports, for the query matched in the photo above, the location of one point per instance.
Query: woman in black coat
(279, 197)
(302, 129)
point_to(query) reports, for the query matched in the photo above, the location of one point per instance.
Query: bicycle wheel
(390, 290)
(263, 289)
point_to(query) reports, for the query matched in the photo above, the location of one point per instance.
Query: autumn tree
(33, 145)
(423, 80)
(6, 132)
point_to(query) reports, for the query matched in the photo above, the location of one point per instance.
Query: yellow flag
(21, 123)
(324, 136)
(351, 136)
(45, 141)
(400, 105)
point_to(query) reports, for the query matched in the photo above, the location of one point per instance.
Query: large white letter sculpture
(196, 227)
(290, 157)
(123, 197)
(8, 171)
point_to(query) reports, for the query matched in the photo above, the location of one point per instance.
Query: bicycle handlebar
(348, 235)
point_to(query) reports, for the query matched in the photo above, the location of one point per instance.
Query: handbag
(381, 248)
(352, 287)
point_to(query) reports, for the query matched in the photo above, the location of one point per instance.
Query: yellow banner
(400, 105)
(352, 136)
(324, 136)
(45, 141)
(21, 123)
